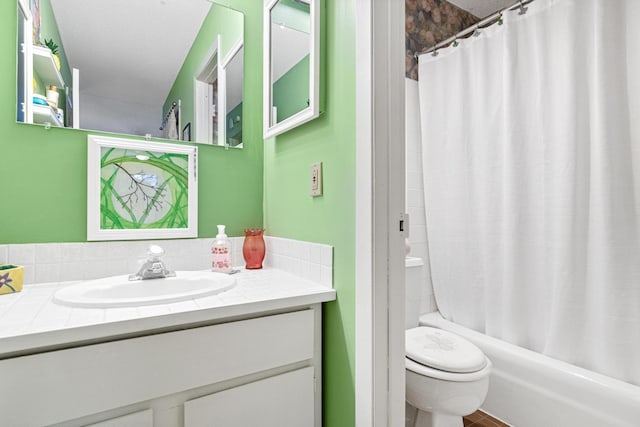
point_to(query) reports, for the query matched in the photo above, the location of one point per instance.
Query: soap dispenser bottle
(221, 252)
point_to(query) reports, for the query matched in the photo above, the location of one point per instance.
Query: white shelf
(43, 114)
(45, 66)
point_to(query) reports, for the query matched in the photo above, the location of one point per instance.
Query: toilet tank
(413, 291)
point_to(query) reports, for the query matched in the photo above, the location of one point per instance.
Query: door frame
(380, 204)
(202, 94)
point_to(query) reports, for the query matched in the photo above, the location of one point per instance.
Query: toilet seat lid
(443, 350)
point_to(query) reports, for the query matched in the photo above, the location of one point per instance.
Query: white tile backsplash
(303, 259)
(47, 272)
(315, 253)
(72, 271)
(326, 256)
(313, 271)
(47, 253)
(29, 271)
(53, 262)
(71, 252)
(4, 254)
(22, 254)
(326, 276)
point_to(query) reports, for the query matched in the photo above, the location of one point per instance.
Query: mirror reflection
(233, 99)
(290, 48)
(131, 68)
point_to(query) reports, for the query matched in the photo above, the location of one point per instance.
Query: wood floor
(480, 419)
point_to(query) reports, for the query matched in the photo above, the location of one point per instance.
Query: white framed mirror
(291, 64)
(139, 78)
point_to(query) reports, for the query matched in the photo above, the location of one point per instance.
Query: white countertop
(31, 322)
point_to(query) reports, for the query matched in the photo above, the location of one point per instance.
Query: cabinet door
(137, 419)
(284, 400)
(82, 381)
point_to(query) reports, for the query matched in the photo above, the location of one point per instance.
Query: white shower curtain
(531, 156)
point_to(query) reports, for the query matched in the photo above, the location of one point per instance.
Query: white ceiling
(482, 8)
(128, 50)
(288, 47)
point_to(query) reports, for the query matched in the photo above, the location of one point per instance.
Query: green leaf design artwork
(143, 189)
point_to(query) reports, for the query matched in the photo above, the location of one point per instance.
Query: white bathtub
(529, 389)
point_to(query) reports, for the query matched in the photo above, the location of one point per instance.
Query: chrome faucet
(153, 267)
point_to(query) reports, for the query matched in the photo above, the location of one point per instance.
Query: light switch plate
(315, 188)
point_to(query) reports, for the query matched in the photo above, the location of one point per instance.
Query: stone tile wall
(429, 22)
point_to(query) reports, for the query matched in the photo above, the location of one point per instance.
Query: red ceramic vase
(253, 248)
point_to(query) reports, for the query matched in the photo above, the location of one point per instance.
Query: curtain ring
(523, 9)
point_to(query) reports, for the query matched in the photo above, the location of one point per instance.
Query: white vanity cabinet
(262, 370)
(137, 419)
(284, 400)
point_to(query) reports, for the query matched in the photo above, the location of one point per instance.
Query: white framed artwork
(140, 190)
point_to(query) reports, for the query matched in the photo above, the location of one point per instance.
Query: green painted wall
(43, 173)
(291, 91)
(43, 176)
(291, 14)
(290, 211)
(220, 20)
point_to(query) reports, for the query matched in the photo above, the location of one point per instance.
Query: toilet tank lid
(411, 261)
(443, 350)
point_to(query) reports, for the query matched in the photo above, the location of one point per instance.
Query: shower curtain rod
(166, 116)
(493, 17)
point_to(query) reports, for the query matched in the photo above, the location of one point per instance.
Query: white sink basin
(119, 291)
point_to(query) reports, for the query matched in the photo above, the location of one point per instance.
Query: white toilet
(447, 376)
